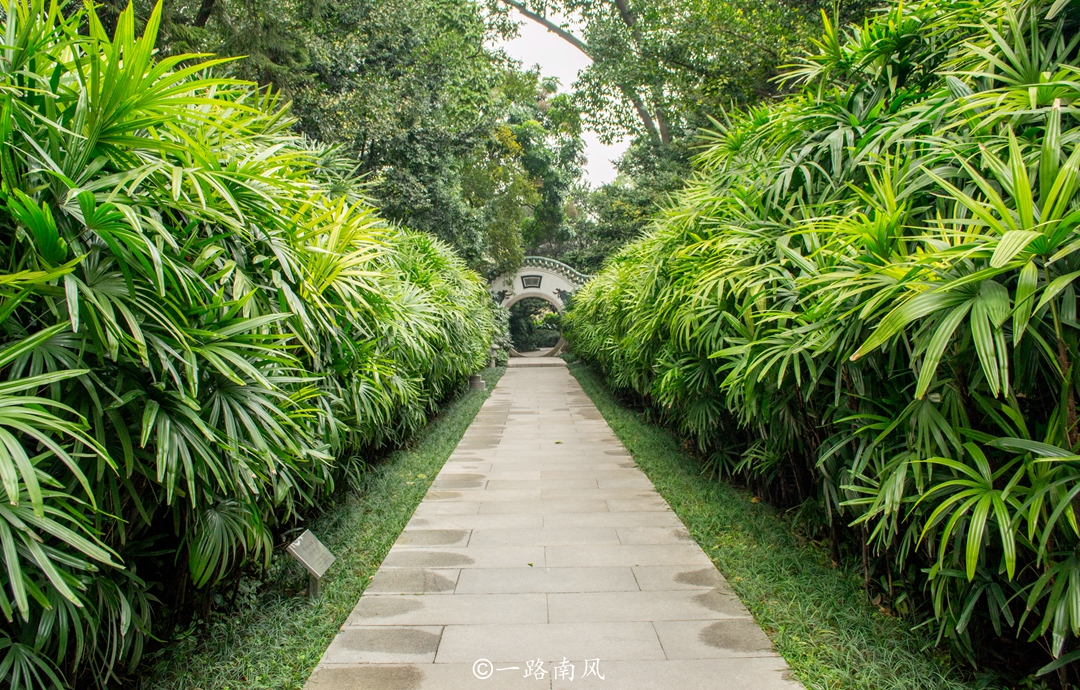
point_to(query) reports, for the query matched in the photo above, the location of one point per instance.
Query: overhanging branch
(550, 26)
(628, 91)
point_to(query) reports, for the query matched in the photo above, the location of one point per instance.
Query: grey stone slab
(353, 677)
(654, 535)
(447, 508)
(531, 362)
(677, 605)
(621, 473)
(460, 609)
(518, 449)
(384, 645)
(476, 462)
(434, 537)
(413, 581)
(473, 522)
(544, 537)
(625, 555)
(498, 475)
(457, 464)
(654, 518)
(481, 442)
(542, 507)
(570, 455)
(621, 494)
(543, 484)
(734, 637)
(458, 484)
(517, 643)
(637, 505)
(484, 557)
(419, 677)
(506, 466)
(485, 495)
(664, 577)
(539, 579)
(696, 674)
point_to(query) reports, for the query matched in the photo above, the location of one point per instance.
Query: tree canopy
(660, 67)
(451, 136)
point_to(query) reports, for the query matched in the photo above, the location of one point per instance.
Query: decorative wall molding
(541, 277)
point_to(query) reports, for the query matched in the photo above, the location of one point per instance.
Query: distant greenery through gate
(534, 325)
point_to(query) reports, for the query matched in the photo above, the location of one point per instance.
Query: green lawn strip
(276, 637)
(816, 615)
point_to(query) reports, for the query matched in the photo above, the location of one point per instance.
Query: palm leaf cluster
(865, 303)
(203, 329)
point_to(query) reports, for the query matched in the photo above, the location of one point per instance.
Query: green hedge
(864, 304)
(204, 329)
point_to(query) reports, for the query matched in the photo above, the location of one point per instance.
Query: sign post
(315, 558)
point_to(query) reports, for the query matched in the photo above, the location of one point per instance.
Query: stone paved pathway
(541, 540)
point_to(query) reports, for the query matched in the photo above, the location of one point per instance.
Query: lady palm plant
(199, 337)
(866, 300)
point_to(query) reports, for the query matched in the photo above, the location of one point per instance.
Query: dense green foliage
(455, 139)
(271, 639)
(534, 325)
(864, 303)
(660, 70)
(660, 67)
(814, 613)
(202, 333)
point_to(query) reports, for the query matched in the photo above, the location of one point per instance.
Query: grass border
(274, 637)
(816, 615)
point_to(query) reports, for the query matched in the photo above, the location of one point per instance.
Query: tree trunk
(643, 114)
(663, 127)
(203, 15)
(661, 118)
(628, 17)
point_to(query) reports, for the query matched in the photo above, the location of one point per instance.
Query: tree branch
(670, 58)
(642, 111)
(550, 26)
(628, 17)
(661, 131)
(628, 91)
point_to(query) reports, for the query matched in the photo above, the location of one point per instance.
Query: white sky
(535, 46)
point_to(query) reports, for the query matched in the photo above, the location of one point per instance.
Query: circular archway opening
(535, 328)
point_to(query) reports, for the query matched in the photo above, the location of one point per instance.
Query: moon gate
(539, 277)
